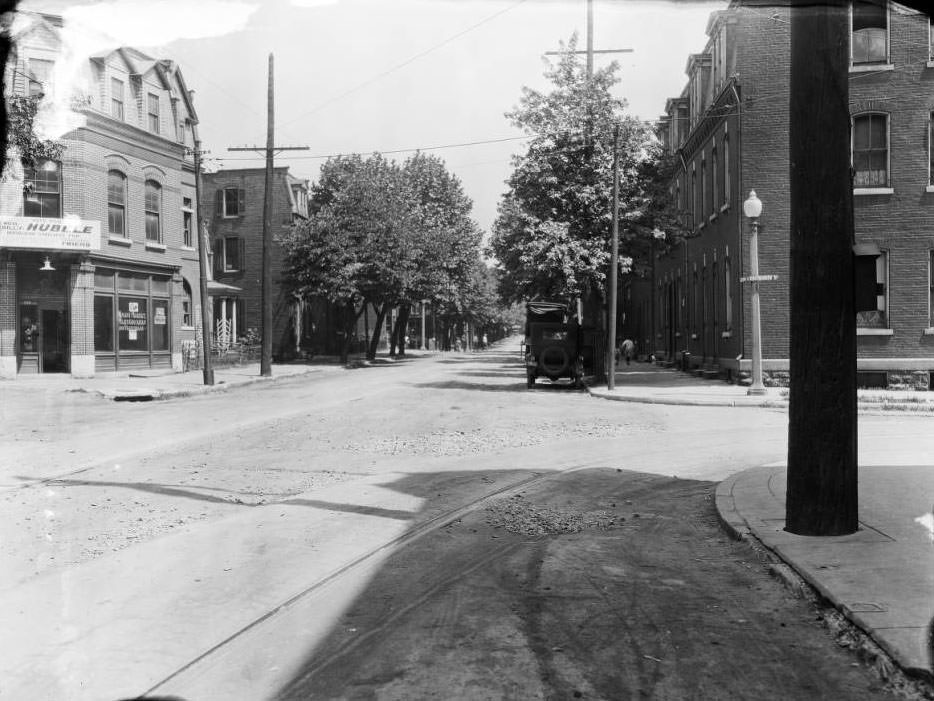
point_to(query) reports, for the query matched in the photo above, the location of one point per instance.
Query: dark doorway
(54, 341)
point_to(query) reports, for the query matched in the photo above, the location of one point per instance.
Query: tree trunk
(377, 330)
(822, 458)
(402, 325)
(349, 317)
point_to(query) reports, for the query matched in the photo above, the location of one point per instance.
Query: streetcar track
(409, 536)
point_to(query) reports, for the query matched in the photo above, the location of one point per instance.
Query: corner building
(98, 251)
(728, 130)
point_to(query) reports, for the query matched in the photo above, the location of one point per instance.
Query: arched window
(153, 207)
(116, 203)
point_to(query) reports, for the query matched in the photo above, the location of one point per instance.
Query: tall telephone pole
(270, 150)
(207, 369)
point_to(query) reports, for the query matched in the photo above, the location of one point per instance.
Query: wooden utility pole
(270, 150)
(822, 432)
(614, 264)
(206, 364)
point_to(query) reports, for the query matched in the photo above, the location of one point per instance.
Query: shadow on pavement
(600, 583)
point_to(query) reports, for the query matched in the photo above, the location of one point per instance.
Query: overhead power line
(399, 150)
(412, 59)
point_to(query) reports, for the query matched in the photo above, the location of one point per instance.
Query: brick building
(98, 254)
(729, 131)
(232, 203)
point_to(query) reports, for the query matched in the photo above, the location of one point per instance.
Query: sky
(358, 76)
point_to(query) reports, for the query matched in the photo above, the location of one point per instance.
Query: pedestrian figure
(627, 349)
(483, 342)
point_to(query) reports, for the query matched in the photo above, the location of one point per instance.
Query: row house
(232, 203)
(728, 130)
(98, 250)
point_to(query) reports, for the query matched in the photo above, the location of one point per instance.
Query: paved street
(426, 528)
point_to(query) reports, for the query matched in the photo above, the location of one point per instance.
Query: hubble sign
(70, 234)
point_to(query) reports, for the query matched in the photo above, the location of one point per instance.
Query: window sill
(187, 328)
(726, 334)
(187, 248)
(929, 188)
(701, 226)
(712, 218)
(233, 271)
(693, 336)
(931, 64)
(857, 191)
(153, 246)
(928, 331)
(871, 67)
(724, 207)
(861, 331)
(120, 240)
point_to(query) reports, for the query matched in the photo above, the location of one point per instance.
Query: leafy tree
(348, 251)
(551, 235)
(384, 235)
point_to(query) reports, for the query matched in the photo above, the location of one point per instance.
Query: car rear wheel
(554, 360)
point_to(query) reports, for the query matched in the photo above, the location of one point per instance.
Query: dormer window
(870, 32)
(116, 99)
(153, 112)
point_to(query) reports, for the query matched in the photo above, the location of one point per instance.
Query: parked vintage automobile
(552, 343)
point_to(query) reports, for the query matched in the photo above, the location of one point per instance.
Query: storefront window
(103, 323)
(104, 279)
(134, 283)
(160, 325)
(133, 317)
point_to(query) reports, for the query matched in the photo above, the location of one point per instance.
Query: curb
(863, 407)
(877, 651)
(144, 395)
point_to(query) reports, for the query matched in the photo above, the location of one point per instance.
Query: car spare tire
(554, 360)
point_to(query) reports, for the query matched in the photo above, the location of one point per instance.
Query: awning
(220, 288)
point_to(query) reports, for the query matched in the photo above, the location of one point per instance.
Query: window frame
(871, 188)
(878, 321)
(188, 218)
(150, 213)
(113, 203)
(872, 63)
(930, 328)
(239, 196)
(117, 106)
(42, 195)
(725, 144)
(930, 185)
(153, 115)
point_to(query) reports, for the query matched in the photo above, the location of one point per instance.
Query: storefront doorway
(44, 332)
(53, 332)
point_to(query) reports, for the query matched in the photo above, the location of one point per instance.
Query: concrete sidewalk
(881, 577)
(649, 383)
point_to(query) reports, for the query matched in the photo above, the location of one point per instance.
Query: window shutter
(241, 244)
(219, 202)
(865, 282)
(241, 201)
(218, 257)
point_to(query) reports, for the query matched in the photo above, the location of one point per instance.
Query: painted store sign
(69, 234)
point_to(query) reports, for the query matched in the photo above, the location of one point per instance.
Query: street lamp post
(752, 208)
